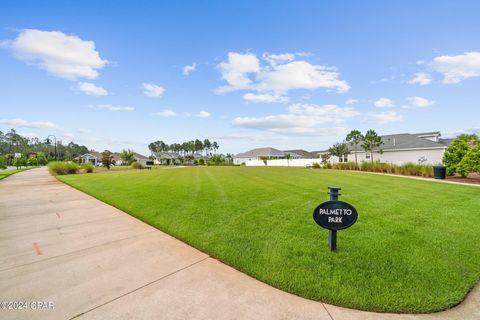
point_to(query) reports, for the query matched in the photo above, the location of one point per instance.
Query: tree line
(185, 148)
(12, 142)
(368, 142)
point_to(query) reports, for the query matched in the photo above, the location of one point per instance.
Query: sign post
(334, 215)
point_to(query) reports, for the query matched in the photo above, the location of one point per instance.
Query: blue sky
(286, 74)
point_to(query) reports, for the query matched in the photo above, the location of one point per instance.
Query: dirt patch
(473, 178)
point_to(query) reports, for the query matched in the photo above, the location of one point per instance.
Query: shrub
(72, 167)
(20, 162)
(2, 163)
(455, 153)
(136, 165)
(316, 165)
(346, 166)
(409, 169)
(32, 161)
(61, 168)
(470, 162)
(42, 159)
(216, 160)
(201, 162)
(88, 167)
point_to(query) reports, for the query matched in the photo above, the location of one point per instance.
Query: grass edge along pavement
(396, 258)
(7, 173)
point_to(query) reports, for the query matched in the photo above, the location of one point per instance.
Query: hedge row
(407, 169)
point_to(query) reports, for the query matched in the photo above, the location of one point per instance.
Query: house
(259, 153)
(166, 158)
(143, 160)
(426, 148)
(300, 154)
(95, 158)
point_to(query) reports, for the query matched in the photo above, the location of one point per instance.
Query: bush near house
(88, 167)
(216, 160)
(61, 168)
(462, 155)
(136, 165)
(407, 169)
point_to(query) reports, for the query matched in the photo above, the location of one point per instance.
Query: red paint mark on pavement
(58, 215)
(36, 246)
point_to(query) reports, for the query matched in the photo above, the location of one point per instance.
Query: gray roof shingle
(404, 141)
(258, 152)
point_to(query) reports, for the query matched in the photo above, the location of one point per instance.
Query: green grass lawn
(6, 173)
(415, 246)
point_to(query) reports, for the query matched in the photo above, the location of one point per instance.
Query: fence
(283, 163)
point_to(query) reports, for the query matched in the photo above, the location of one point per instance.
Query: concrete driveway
(65, 255)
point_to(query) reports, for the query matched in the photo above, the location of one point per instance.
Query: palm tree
(207, 145)
(198, 145)
(127, 156)
(215, 147)
(288, 156)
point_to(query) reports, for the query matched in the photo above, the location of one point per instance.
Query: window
(344, 158)
(367, 155)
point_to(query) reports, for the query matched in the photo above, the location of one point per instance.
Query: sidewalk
(92, 261)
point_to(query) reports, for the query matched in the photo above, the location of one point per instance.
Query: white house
(92, 157)
(426, 148)
(259, 153)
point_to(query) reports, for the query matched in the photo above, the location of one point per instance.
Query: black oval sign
(335, 215)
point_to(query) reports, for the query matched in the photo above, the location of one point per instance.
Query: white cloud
(152, 90)
(301, 119)
(110, 107)
(458, 68)
(300, 75)
(278, 58)
(420, 102)
(235, 71)
(91, 89)
(19, 122)
(166, 113)
(65, 56)
(421, 78)
(332, 131)
(279, 75)
(327, 113)
(268, 98)
(351, 101)
(189, 69)
(384, 103)
(203, 114)
(383, 117)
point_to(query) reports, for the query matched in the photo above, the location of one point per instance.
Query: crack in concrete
(141, 287)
